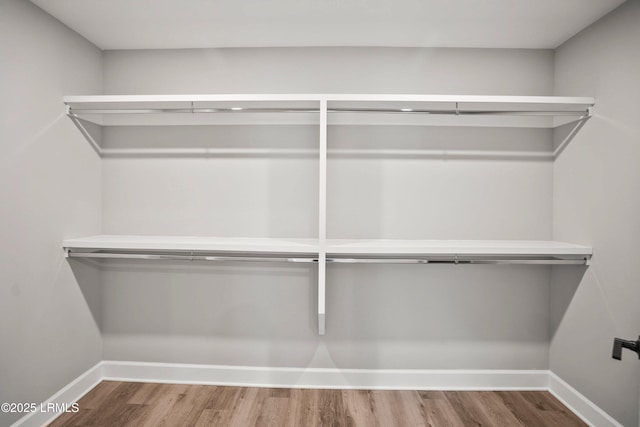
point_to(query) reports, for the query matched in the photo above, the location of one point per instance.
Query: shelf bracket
(572, 133)
(83, 130)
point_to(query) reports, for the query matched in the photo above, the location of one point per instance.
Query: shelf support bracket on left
(84, 131)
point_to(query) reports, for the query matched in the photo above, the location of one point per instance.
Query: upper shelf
(308, 250)
(458, 247)
(343, 109)
(459, 251)
(193, 248)
(122, 110)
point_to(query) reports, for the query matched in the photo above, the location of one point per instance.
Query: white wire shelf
(336, 250)
(457, 251)
(192, 248)
(343, 109)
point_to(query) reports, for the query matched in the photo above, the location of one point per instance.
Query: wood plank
(274, 408)
(467, 408)
(496, 411)
(69, 418)
(523, 410)
(359, 407)
(147, 393)
(397, 408)
(87, 404)
(198, 397)
(331, 408)
(220, 406)
(432, 395)
(98, 395)
(161, 408)
(411, 407)
(247, 409)
(438, 411)
(115, 410)
(553, 412)
(186, 407)
(304, 407)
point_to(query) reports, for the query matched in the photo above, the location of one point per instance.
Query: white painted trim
(69, 394)
(388, 379)
(588, 411)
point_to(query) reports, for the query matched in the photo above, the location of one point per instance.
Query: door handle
(619, 344)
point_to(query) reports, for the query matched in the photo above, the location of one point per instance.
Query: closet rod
(74, 113)
(186, 257)
(554, 261)
(190, 110)
(462, 112)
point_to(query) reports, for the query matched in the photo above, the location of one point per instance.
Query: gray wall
(327, 70)
(597, 201)
(50, 189)
(377, 316)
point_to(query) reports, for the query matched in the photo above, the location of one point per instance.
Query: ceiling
(163, 24)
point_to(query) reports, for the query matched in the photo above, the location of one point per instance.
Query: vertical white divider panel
(322, 216)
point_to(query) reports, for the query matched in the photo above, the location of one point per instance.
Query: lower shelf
(327, 252)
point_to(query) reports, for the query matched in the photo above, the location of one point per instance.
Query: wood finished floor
(113, 403)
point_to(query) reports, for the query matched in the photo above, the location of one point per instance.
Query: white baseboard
(387, 379)
(588, 411)
(68, 395)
